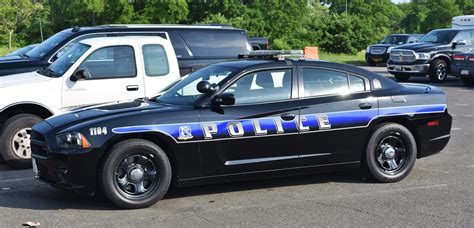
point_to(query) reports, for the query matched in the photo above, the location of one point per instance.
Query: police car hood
(108, 111)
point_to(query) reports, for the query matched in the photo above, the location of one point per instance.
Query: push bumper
(415, 69)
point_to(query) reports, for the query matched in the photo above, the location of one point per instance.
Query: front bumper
(377, 58)
(414, 69)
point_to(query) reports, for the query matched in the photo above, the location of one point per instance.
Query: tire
(468, 81)
(384, 156)
(15, 140)
(125, 158)
(402, 77)
(438, 71)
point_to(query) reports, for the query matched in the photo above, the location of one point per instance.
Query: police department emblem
(185, 133)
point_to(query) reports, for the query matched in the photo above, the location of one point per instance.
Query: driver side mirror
(459, 42)
(224, 99)
(78, 75)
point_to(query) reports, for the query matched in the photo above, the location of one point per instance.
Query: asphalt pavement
(439, 192)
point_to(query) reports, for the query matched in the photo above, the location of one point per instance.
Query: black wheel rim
(441, 72)
(392, 154)
(137, 176)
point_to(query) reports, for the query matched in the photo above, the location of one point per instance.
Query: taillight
(471, 58)
(432, 123)
(459, 57)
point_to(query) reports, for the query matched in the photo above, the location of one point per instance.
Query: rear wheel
(402, 77)
(468, 81)
(135, 174)
(438, 71)
(391, 153)
(15, 140)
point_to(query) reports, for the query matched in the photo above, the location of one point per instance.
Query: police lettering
(236, 129)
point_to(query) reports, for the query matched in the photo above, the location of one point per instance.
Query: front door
(259, 132)
(336, 108)
(110, 75)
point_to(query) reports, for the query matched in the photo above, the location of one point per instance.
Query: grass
(5, 50)
(357, 59)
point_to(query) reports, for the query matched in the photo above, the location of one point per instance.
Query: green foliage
(289, 24)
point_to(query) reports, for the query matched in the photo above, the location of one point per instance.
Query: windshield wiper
(47, 72)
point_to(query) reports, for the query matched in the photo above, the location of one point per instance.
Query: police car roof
(256, 64)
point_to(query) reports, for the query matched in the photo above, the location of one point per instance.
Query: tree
(440, 14)
(15, 12)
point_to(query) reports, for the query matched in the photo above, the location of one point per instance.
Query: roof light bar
(273, 54)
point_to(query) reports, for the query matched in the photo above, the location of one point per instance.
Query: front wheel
(135, 173)
(391, 153)
(15, 140)
(438, 71)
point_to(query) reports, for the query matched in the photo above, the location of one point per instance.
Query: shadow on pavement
(34, 195)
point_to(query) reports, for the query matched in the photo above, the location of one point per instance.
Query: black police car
(463, 67)
(380, 53)
(242, 120)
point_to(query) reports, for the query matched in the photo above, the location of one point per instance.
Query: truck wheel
(468, 81)
(402, 77)
(391, 153)
(15, 140)
(135, 174)
(438, 71)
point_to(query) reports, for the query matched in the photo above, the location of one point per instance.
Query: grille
(377, 50)
(402, 55)
(38, 144)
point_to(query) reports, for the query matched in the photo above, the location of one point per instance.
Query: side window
(110, 62)
(465, 35)
(75, 41)
(317, 82)
(155, 60)
(262, 86)
(215, 43)
(356, 84)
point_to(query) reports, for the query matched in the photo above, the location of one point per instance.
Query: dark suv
(431, 55)
(195, 45)
(379, 53)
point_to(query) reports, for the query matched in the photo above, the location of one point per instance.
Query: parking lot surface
(439, 192)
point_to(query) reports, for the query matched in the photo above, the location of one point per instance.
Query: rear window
(206, 43)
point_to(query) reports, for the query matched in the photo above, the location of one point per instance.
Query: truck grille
(38, 144)
(402, 56)
(377, 50)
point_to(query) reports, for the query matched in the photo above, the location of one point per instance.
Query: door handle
(365, 105)
(287, 116)
(132, 88)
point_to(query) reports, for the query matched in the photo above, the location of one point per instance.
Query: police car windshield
(185, 91)
(61, 65)
(439, 36)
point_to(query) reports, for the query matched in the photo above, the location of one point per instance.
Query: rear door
(336, 107)
(112, 76)
(159, 67)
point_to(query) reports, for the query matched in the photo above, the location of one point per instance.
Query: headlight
(73, 140)
(367, 49)
(423, 56)
(389, 49)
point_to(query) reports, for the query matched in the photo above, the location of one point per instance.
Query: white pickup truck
(93, 71)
